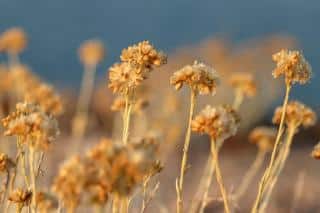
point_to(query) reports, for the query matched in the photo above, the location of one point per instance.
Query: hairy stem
(185, 154)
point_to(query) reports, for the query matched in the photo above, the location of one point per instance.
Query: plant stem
(207, 182)
(33, 179)
(215, 162)
(266, 175)
(127, 116)
(237, 100)
(185, 154)
(115, 204)
(248, 177)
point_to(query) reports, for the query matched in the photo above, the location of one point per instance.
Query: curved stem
(219, 178)
(185, 153)
(266, 175)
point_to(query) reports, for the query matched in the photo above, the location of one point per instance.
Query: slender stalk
(207, 180)
(266, 175)
(298, 191)
(251, 173)
(127, 116)
(185, 154)
(115, 204)
(124, 205)
(13, 59)
(237, 100)
(33, 179)
(82, 110)
(215, 162)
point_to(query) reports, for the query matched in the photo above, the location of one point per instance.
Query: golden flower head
(5, 163)
(296, 114)
(13, 40)
(45, 96)
(91, 52)
(143, 56)
(29, 121)
(123, 77)
(243, 82)
(316, 151)
(201, 78)
(264, 137)
(219, 123)
(21, 197)
(293, 66)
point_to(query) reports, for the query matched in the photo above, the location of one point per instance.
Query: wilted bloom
(201, 78)
(293, 66)
(91, 52)
(219, 123)
(30, 122)
(243, 82)
(45, 96)
(5, 163)
(20, 197)
(143, 56)
(124, 77)
(13, 40)
(119, 104)
(264, 137)
(296, 114)
(316, 151)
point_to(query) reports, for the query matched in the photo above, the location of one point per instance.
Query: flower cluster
(293, 66)
(13, 40)
(201, 78)
(296, 114)
(32, 124)
(21, 197)
(219, 123)
(316, 151)
(243, 83)
(5, 163)
(46, 202)
(136, 62)
(91, 52)
(263, 137)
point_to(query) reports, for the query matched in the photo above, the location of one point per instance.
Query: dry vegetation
(121, 152)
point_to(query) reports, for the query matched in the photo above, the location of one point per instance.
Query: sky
(57, 27)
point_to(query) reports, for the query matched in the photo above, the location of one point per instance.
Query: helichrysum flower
(143, 56)
(316, 151)
(91, 52)
(244, 83)
(29, 121)
(20, 197)
(13, 40)
(5, 163)
(293, 66)
(296, 114)
(219, 123)
(200, 77)
(263, 137)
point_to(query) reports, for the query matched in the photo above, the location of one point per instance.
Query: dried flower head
(91, 52)
(296, 114)
(200, 77)
(243, 82)
(45, 96)
(119, 104)
(5, 163)
(46, 202)
(143, 56)
(13, 40)
(316, 151)
(20, 197)
(263, 137)
(30, 122)
(124, 77)
(219, 123)
(293, 66)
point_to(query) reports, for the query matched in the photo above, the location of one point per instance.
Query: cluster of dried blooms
(119, 105)
(91, 52)
(243, 83)
(263, 137)
(13, 41)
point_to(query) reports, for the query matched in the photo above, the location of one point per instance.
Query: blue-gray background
(57, 27)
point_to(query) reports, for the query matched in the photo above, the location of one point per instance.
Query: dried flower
(5, 163)
(46, 202)
(119, 104)
(91, 52)
(243, 82)
(13, 40)
(316, 151)
(293, 66)
(143, 56)
(263, 137)
(219, 123)
(30, 122)
(200, 77)
(21, 197)
(296, 114)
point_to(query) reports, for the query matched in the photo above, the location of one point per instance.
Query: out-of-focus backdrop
(56, 29)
